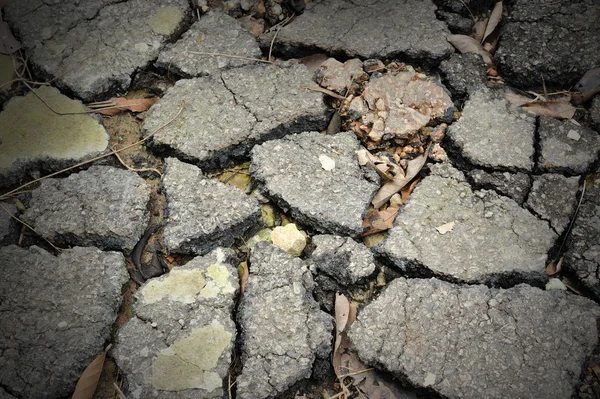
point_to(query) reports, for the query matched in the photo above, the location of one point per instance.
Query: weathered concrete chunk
(454, 232)
(203, 213)
(336, 76)
(489, 133)
(179, 341)
(289, 238)
(8, 225)
(464, 73)
(475, 342)
(595, 112)
(567, 147)
(56, 316)
(554, 198)
(558, 41)
(369, 29)
(342, 258)
(102, 206)
(295, 172)
(95, 47)
(583, 256)
(513, 185)
(227, 115)
(32, 135)
(283, 329)
(215, 32)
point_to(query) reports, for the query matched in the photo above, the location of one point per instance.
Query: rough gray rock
(336, 76)
(595, 113)
(5, 395)
(554, 198)
(8, 225)
(456, 23)
(102, 206)
(180, 339)
(227, 115)
(474, 342)
(342, 258)
(583, 255)
(368, 29)
(95, 46)
(557, 40)
(489, 133)
(215, 32)
(513, 185)
(283, 329)
(460, 6)
(33, 137)
(290, 172)
(475, 249)
(566, 147)
(56, 316)
(463, 73)
(203, 213)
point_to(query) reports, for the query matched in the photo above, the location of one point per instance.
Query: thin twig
(544, 86)
(324, 91)
(52, 109)
(131, 168)
(121, 395)
(572, 219)
(239, 57)
(467, 7)
(279, 26)
(355, 373)
(30, 228)
(10, 193)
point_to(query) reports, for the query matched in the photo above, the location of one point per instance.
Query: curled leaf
(554, 267)
(8, 43)
(120, 104)
(554, 109)
(86, 386)
(495, 19)
(479, 29)
(378, 221)
(466, 44)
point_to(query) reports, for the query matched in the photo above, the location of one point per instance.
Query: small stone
(289, 238)
(335, 76)
(342, 258)
(357, 109)
(573, 135)
(555, 284)
(373, 65)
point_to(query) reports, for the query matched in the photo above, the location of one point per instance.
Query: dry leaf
(479, 29)
(554, 267)
(313, 62)
(335, 123)
(554, 109)
(517, 99)
(495, 18)
(407, 190)
(86, 386)
(445, 228)
(388, 189)
(466, 44)
(243, 272)
(378, 221)
(587, 86)
(8, 43)
(385, 168)
(120, 104)
(342, 311)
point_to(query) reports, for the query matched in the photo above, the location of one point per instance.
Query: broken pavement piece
(595, 113)
(485, 224)
(203, 213)
(423, 331)
(464, 73)
(492, 134)
(9, 227)
(215, 32)
(290, 173)
(283, 329)
(101, 206)
(57, 313)
(95, 47)
(336, 76)
(342, 258)
(554, 197)
(409, 30)
(289, 238)
(226, 115)
(513, 185)
(180, 339)
(34, 137)
(559, 153)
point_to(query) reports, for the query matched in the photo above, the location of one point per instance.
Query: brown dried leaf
(243, 272)
(378, 221)
(517, 99)
(587, 86)
(8, 43)
(313, 62)
(123, 104)
(386, 169)
(407, 190)
(479, 29)
(86, 386)
(554, 267)
(466, 44)
(495, 19)
(342, 311)
(554, 109)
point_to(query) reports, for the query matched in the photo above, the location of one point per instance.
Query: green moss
(178, 285)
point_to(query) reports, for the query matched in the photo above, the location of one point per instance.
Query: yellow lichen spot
(166, 20)
(190, 362)
(178, 285)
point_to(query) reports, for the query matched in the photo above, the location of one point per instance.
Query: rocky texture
(566, 147)
(289, 238)
(203, 213)
(595, 113)
(460, 6)
(102, 206)
(482, 225)
(337, 76)
(513, 185)
(424, 331)
(290, 171)
(8, 225)
(554, 198)
(536, 40)
(456, 23)
(490, 133)
(344, 259)
(226, 115)
(180, 339)
(96, 46)
(56, 316)
(464, 73)
(6, 73)
(409, 30)
(215, 32)
(583, 255)
(33, 137)
(283, 329)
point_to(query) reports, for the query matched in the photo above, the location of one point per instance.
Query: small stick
(355, 373)
(30, 228)
(134, 169)
(464, 4)
(239, 57)
(324, 91)
(279, 26)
